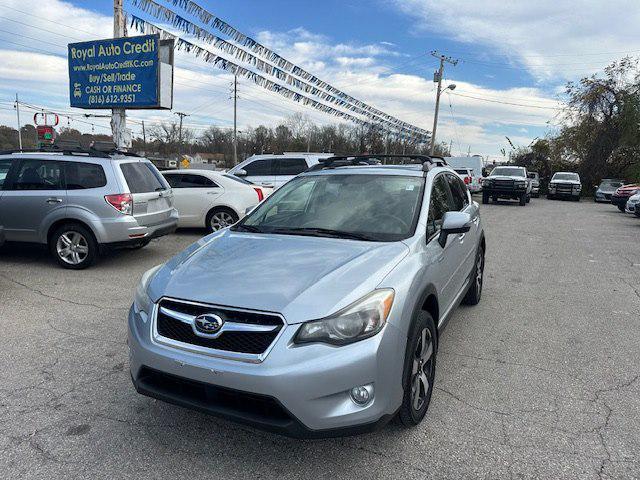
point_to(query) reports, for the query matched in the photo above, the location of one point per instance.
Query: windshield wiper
(322, 232)
(246, 228)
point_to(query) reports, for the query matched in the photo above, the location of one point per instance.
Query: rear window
(142, 177)
(80, 176)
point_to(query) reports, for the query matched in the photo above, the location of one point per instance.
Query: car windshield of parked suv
(382, 208)
(507, 171)
(566, 176)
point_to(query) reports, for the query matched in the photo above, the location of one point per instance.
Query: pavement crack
(59, 299)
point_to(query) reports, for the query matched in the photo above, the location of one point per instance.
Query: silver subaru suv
(319, 313)
(82, 202)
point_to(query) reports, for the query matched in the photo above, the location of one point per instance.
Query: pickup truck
(507, 182)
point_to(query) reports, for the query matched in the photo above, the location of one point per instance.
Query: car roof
(75, 157)
(574, 173)
(413, 170)
(194, 170)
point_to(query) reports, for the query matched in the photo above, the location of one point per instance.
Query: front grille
(564, 188)
(607, 196)
(232, 341)
(508, 184)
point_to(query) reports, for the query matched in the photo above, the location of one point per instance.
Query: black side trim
(259, 411)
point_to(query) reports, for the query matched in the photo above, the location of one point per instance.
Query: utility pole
(235, 119)
(144, 138)
(438, 78)
(18, 114)
(119, 115)
(181, 115)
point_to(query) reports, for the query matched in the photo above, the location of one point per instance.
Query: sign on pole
(128, 72)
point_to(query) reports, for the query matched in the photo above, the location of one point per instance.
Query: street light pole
(235, 119)
(119, 115)
(438, 77)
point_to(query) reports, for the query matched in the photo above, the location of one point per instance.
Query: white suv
(275, 170)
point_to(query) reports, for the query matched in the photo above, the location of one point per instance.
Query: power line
(505, 103)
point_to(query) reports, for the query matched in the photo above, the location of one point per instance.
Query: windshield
(507, 171)
(610, 184)
(566, 176)
(381, 208)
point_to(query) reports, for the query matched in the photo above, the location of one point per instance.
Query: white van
(271, 170)
(475, 164)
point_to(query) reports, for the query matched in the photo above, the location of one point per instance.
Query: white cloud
(204, 91)
(550, 38)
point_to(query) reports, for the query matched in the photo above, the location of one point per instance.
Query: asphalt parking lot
(541, 380)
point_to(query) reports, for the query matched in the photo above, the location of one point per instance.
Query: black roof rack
(71, 147)
(427, 162)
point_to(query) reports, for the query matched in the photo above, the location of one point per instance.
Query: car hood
(627, 189)
(571, 182)
(301, 277)
(505, 177)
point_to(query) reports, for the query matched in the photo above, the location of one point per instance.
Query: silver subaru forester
(81, 202)
(319, 313)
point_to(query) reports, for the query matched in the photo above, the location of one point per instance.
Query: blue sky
(515, 58)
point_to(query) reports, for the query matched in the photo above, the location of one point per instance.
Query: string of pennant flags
(283, 70)
(208, 56)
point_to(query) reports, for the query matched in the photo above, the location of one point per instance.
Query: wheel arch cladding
(68, 221)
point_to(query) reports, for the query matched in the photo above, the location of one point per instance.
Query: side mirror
(452, 223)
(248, 210)
(240, 173)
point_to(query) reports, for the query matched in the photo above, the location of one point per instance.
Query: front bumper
(602, 197)
(297, 390)
(618, 200)
(503, 192)
(631, 207)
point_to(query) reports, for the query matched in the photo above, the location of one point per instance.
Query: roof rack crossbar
(427, 162)
(71, 149)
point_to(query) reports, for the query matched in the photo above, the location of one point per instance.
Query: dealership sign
(128, 72)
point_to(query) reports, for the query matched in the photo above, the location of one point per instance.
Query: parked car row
(81, 203)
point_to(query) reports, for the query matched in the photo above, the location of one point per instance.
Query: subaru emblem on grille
(208, 323)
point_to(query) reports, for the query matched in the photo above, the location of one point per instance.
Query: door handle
(461, 237)
(54, 200)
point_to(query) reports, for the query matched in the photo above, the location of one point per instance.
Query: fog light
(362, 395)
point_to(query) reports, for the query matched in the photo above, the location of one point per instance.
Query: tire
(577, 199)
(528, 198)
(549, 197)
(475, 289)
(485, 198)
(494, 199)
(621, 208)
(523, 199)
(219, 218)
(418, 389)
(73, 246)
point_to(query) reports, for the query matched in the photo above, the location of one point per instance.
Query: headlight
(142, 304)
(358, 321)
